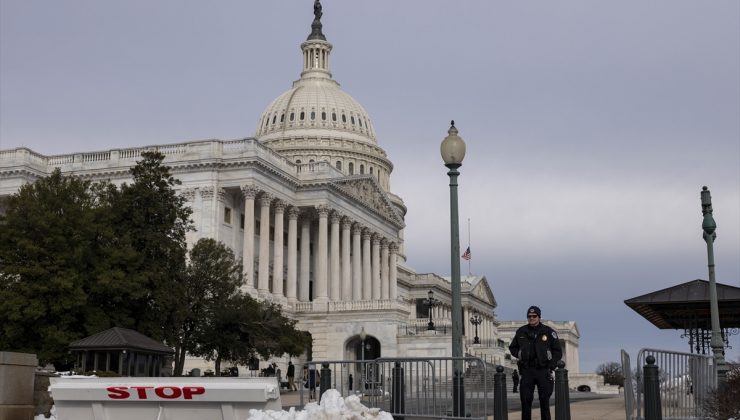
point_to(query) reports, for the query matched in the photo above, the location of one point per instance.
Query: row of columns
(486, 329)
(354, 264)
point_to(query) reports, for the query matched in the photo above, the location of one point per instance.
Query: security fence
(408, 387)
(683, 383)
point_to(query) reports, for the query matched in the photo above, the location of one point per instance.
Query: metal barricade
(629, 387)
(686, 381)
(427, 385)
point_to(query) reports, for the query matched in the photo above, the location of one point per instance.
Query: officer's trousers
(529, 378)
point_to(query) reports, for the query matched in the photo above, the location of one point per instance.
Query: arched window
(323, 116)
(292, 116)
(298, 162)
(303, 115)
(333, 116)
(359, 121)
(344, 118)
(339, 165)
(351, 168)
(313, 115)
(282, 117)
(362, 169)
(352, 119)
(371, 170)
(274, 118)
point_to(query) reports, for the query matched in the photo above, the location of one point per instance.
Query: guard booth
(124, 352)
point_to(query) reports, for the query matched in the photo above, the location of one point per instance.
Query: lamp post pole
(430, 303)
(453, 152)
(476, 320)
(709, 226)
(363, 336)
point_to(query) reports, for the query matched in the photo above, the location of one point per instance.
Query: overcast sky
(590, 126)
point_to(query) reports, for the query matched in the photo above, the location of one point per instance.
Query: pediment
(367, 191)
(483, 292)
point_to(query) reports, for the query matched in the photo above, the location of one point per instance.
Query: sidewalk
(599, 409)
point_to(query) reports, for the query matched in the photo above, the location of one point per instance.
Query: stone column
(263, 279)
(376, 266)
(393, 272)
(305, 279)
(335, 291)
(356, 262)
(346, 264)
(292, 291)
(249, 192)
(384, 286)
(367, 288)
(277, 251)
(322, 254)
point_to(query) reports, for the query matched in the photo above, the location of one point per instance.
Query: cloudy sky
(590, 126)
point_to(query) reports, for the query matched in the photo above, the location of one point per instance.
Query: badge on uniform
(544, 338)
(554, 335)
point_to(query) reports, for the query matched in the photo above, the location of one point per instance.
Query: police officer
(538, 349)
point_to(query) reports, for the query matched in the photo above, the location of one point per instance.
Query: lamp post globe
(453, 153)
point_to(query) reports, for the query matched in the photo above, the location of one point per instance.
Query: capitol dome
(315, 121)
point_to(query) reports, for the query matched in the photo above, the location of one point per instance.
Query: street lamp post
(453, 152)
(430, 302)
(476, 320)
(709, 226)
(363, 336)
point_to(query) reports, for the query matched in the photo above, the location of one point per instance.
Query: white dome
(315, 107)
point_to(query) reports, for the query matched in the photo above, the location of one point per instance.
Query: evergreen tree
(148, 222)
(49, 249)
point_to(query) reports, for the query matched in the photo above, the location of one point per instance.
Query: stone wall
(16, 385)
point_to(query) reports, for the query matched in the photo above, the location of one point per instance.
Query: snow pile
(332, 407)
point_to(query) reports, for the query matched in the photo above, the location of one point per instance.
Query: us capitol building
(307, 204)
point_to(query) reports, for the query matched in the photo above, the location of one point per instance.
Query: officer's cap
(534, 310)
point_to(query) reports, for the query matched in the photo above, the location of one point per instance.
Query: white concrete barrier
(174, 398)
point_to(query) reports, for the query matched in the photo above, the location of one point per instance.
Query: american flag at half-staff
(466, 255)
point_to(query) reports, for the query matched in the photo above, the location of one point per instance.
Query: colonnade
(486, 329)
(349, 260)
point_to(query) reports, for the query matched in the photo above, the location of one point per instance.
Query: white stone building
(307, 204)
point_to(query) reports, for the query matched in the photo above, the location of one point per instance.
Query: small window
(227, 215)
(274, 118)
(311, 161)
(313, 115)
(292, 116)
(362, 169)
(351, 168)
(282, 117)
(298, 162)
(359, 121)
(303, 115)
(267, 121)
(241, 221)
(333, 116)
(352, 119)
(339, 165)
(344, 118)
(323, 116)
(371, 170)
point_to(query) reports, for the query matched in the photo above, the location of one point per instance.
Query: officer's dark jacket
(536, 347)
